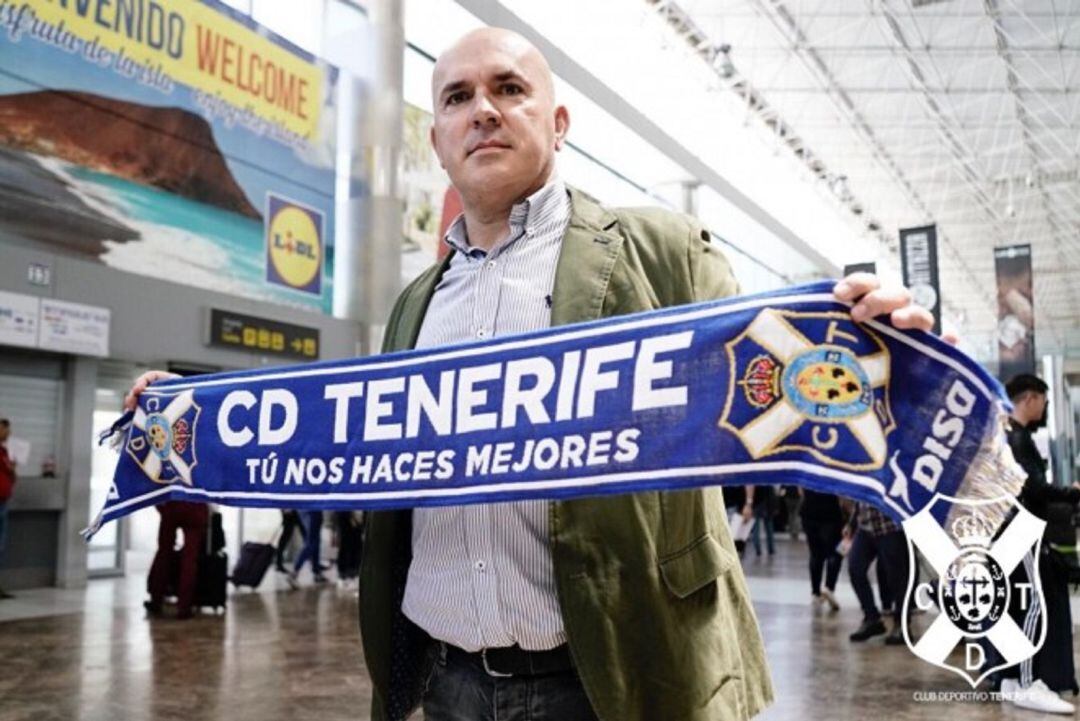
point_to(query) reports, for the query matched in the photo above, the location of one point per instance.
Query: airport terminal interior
(860, 499)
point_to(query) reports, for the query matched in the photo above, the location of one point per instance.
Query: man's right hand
(142, 383)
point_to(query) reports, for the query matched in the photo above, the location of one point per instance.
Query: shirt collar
(522, 216)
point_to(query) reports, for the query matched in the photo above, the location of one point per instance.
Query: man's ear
(562, 125)
(435, 146)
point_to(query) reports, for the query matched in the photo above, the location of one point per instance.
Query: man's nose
(484, 111)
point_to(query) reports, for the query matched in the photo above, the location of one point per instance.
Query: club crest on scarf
(975, 586)
(162, 438)
(811, 382)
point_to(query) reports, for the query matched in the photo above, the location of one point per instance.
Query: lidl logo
(294, 245)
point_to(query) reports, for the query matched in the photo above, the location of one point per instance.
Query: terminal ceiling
(963, 113)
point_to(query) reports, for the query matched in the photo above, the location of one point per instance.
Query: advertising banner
(19, 319)
(165, 138)
(74, 328)
(1016, 310)
(918, 256)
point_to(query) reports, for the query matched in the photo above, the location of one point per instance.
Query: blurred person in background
(350, 531)
(192, 519)
(793, 504)
(875, 535)
(290, 522)
(764, 506)
(1035, 683)
(823, 523)
(313, 521)
(7, 488)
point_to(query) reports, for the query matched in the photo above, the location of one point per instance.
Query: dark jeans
(461, 691)
(822, 538)
(763, 517)
(312, 541)
(350, 540)
(290, 521)
(892, 557)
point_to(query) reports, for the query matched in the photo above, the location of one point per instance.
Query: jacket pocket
(695, 566)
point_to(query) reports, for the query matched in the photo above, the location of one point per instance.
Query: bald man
(624, 608)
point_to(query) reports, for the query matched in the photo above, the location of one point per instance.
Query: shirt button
(480, 566)
(481, 333)
(491, 263)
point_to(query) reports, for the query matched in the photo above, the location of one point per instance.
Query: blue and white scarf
(775, 388)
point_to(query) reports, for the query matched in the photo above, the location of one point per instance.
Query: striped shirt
(482, 575)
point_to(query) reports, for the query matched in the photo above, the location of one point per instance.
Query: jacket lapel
(415, 308)
(589, 251)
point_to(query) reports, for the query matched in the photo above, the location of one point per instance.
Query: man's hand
(141, 384)
(873, 300)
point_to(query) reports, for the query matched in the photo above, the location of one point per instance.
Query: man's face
(1039, 403)
(5, 431)
(496, 125)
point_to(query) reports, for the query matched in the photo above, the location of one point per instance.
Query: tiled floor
(287, 655)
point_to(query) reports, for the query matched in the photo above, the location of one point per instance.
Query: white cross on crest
(820, 387)
(974, 589)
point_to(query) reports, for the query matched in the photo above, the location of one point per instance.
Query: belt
(513, 660)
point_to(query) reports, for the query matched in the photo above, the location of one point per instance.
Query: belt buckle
(490, 671)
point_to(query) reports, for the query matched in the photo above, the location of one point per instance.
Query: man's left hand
(874, 300)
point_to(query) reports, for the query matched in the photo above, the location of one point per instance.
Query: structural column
(370, 205)
(75, 450)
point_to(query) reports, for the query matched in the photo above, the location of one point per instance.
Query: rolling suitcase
(211, 589)
(250, 569)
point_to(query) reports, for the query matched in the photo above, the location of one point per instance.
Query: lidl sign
(294, 245)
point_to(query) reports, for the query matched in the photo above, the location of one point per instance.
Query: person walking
(290, 522)
(764, 510)
(1035, 683)
(313, 521)
(823, 523)
(875, 535)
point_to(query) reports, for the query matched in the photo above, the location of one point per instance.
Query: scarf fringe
(994, 476)
(117, 432)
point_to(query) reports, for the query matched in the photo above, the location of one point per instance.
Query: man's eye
(512, 89)
(458, 97)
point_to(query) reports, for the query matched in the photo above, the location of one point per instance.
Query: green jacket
(653, 598)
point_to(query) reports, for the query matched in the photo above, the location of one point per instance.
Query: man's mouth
(488, 145)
